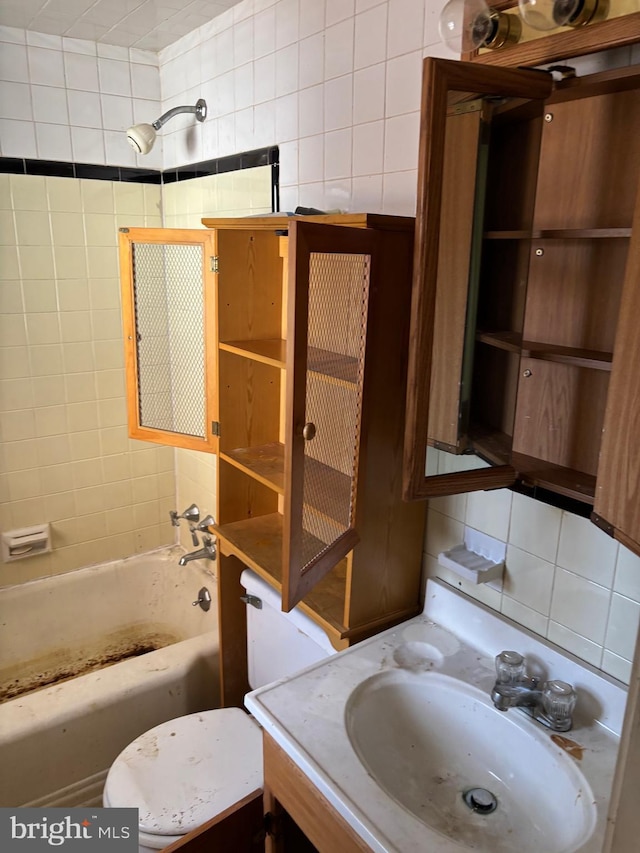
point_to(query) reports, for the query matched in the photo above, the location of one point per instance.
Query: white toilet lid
(182, 773)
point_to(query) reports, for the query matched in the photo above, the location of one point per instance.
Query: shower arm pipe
(200, 110)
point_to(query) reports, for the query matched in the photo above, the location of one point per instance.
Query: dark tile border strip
(235, 162)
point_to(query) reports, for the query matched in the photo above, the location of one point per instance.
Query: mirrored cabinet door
(518, 284)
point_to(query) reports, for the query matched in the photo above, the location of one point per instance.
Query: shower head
(142, 136)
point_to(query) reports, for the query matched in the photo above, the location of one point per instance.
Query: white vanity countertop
(305, 714)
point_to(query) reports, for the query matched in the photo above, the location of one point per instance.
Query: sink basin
(427, 738)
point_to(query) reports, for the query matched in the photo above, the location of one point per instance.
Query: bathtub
(96, 657)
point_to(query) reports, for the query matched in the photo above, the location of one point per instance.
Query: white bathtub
(58, 741)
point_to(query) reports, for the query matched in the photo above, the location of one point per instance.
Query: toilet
(186, 771)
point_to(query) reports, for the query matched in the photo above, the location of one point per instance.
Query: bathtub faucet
(550, 703)
(207, 552)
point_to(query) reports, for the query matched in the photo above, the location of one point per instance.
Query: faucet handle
(509, 667)
(558, 701)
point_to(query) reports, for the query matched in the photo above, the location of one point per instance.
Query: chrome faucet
(207, 552)
(550, 703)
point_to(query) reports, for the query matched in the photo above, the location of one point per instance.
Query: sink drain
(480, 800)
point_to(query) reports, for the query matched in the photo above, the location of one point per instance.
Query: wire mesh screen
(169, 311)
(337, 322)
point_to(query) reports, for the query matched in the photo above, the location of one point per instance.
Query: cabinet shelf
(509, 341)
(332, 488)
(264, 463)
(257, 542)
(560, 234)
(271, 351)
(564, 481)
(333, 365)
(577, 356)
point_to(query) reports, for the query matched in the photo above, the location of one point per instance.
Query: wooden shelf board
(561, 234)
(581, 233)
(257, 542)
(564, 481)
(333, 365)
(271, 352)
(491, 444)
(593, 359)
(509, 341)
(264, 463)
(577, 356)
(507, 235)
(333, 488)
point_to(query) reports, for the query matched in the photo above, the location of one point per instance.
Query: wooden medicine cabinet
(525, 272)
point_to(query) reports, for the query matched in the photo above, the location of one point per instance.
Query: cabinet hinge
(123, 230)
(215, 428)
(214, 263)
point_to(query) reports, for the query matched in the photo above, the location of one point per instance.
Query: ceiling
(144, 24)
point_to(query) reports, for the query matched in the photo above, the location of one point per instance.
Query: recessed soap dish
(479, 559)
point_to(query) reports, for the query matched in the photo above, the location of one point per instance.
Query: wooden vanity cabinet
(545, 299)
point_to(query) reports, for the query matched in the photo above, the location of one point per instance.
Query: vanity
(395, 744)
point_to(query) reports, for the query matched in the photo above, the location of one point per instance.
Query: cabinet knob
(309, 431)
(527, 373)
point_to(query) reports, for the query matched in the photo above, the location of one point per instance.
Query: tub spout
(207, 552)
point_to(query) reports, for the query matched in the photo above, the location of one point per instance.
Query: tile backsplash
(64, 450)
(563, 579)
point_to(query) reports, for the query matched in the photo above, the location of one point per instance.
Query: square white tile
(622, 630)
(369, 93)
(580, 605)
(586, 550)
(406, 22)
(368, 147)
(535, 527)
(370, 45)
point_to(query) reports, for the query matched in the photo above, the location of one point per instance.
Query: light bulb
(548, 14)
(465, 25)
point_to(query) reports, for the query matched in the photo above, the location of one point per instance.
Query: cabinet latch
(215, 428)
(214, 263)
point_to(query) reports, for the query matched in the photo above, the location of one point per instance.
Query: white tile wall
(71, 100)
(340, 82)
(564, 578)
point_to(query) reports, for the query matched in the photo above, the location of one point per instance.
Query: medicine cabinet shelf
(512, 342)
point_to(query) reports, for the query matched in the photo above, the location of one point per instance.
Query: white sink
(427, 738)
(393, 730)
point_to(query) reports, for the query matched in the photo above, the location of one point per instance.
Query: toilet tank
(279, 644)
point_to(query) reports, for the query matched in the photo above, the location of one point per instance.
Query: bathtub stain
(64, 664)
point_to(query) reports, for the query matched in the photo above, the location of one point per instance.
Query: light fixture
(549, 14)
(142, 136)
(466, 25)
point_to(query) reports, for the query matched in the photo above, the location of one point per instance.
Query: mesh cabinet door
(331, 267)
(168, 300)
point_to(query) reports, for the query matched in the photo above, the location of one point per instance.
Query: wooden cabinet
(311, 403)
(541, 298)
(305, 347)
(288, 788)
